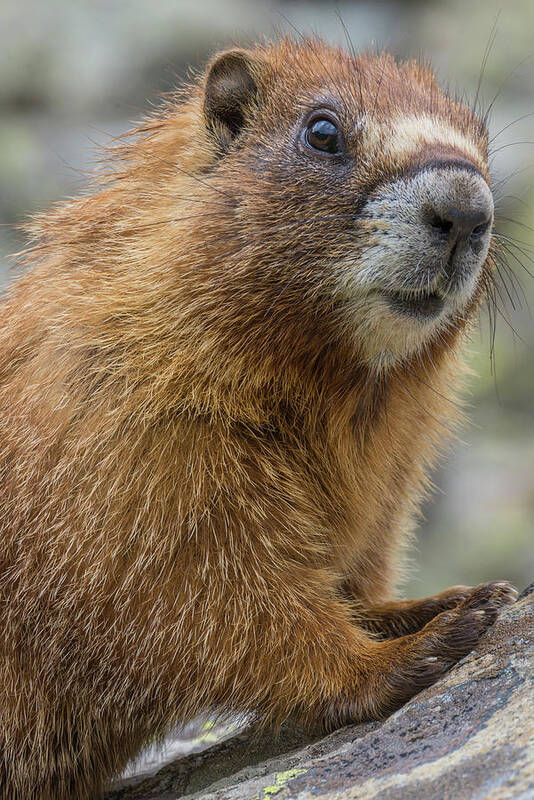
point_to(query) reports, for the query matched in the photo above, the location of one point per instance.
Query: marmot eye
(322, 134)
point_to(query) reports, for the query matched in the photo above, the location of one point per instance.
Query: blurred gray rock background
(74, 73)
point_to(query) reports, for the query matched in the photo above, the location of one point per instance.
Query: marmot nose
(457, 214)
(462, 223)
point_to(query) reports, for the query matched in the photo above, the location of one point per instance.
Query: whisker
(513, 174)
(279, 295)
(310, 221)
(516, 222)
(505, 285)
(518, 119)
(490, 303)
(523, 247)
(504, 317)
(348, 38)
(155, 223)
(440, 422)
(514, 279)
(491, 41)
(499, 90)
(452, 402)
(139, 146)
(518, 200)
(378, 87)
(516, 258)
(152, 195)
(509, 144)
(313, 48)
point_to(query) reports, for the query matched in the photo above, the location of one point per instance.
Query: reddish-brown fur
(205, 490)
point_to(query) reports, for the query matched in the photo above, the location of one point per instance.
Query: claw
(509, 592)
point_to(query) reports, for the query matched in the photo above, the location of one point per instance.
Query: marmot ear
(230, 94)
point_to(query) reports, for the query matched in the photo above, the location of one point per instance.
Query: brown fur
(205, 490)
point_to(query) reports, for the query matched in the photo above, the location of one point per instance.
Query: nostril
(480, 229)
(440, 223)
(459, 223)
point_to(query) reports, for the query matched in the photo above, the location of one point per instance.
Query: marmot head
(360, 188)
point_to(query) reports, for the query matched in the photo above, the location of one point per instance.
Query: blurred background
(73, 73)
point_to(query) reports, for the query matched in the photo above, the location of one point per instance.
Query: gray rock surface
(471, 735)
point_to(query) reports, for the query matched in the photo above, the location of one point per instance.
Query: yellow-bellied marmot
(222, 383)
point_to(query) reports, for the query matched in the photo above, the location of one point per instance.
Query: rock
(471, 735)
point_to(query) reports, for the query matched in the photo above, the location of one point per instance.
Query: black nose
(460, 224)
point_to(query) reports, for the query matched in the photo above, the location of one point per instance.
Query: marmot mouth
(426, 306)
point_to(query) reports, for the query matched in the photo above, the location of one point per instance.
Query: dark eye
(322, 134)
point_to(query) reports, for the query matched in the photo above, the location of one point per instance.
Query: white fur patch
(406, 133)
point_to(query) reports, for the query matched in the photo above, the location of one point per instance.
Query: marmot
(223, 380)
